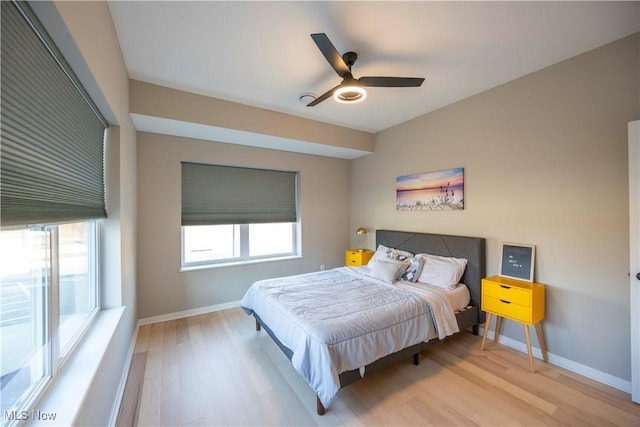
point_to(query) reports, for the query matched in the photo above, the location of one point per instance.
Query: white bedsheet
(458, 297)
(338, 320)
(440, 304)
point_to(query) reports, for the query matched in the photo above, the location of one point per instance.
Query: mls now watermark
(32, 415)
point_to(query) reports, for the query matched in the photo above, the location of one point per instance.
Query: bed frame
(470, 248)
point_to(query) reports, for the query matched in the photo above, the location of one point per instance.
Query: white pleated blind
(214, 194)
(52, 137)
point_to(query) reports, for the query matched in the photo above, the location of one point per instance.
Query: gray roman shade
(214, 194)
(52, 136)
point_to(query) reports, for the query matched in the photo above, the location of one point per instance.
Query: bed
(339, 325)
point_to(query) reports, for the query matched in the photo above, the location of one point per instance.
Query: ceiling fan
(352, 89)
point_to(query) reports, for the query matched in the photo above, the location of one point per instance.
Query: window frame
(53, 357)
(243, 222)
(244, 257)
(93, 235)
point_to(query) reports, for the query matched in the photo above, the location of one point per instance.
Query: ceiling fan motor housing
(350, 58)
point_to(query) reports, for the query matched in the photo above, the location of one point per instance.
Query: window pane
(24, 270)
(77, 253)
(211, 242)
(270, 239)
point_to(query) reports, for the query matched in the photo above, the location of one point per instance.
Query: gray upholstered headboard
(471, 248)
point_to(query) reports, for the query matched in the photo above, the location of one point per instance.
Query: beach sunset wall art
(431, 191)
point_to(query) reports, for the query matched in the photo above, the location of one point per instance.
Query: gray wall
(162, 288)
(545, 160)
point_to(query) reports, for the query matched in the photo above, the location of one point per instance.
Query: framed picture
(432, 191)
(517, 261)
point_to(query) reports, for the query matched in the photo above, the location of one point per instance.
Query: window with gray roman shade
(215, 194)
(52, 135)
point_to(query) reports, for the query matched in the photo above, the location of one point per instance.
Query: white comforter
(341, 319)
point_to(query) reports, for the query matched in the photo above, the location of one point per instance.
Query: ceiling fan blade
(391, 81)
(331, 54)
(323, 97)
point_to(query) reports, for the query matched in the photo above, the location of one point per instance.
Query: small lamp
(361, 231)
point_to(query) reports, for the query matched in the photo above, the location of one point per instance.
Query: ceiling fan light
(350, 94)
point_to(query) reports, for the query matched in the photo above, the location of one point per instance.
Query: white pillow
(444, 272)
(388, 271)
(381, 252)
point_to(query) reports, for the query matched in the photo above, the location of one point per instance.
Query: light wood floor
(215, 369)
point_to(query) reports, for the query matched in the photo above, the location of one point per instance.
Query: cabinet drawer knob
(506, 302)
(505, 286)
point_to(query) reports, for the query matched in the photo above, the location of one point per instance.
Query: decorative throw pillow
(385, 253)
(444, 272)
(414, 269)
(401, 255)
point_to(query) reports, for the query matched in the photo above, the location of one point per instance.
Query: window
(52, 196)
(48, 295)
(233, 214)
(212, 244)
(77, 260)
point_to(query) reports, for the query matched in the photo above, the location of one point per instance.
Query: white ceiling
(261, 53)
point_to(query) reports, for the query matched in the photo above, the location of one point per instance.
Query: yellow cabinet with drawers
(515, 300)
(357, 257)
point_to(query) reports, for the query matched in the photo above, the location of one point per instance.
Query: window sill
(238, 263)
(65, 395)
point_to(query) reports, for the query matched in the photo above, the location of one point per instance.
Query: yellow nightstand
(357, 257)
(515, 300)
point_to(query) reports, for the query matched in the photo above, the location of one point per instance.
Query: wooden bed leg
(416, 359)
(258, 327)
(475, 329)
(319, 406)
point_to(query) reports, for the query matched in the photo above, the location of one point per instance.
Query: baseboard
(187, 313)
(123, 379)
(562, 362)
